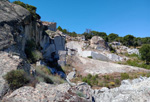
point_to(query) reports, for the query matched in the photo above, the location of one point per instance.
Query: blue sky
(111, 16)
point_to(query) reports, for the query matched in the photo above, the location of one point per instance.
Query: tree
(65, 31)
(59, 28)
(101, 34)
(145, 52)
(112, 37)
(119, 39)
(128, 40)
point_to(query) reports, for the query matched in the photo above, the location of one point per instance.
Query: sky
(111, 16)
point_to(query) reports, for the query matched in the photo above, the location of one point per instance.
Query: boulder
(98, 43)
(71, 75)
(133, 51)
(99, 56)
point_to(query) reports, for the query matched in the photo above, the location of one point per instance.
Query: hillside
(41, 63)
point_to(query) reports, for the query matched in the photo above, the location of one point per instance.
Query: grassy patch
(136, 63)
(110, 80)
(44, 75)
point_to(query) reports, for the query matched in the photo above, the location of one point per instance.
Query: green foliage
(32, 54)
(112, 49)
(145, 52)
(72, 34)
(131, 55)
(112, 37)
(119, 39)
(30, 8)
(44, 75)
(91, 80)
(90, 57)
(137, 63)
(59, 28)
(101, 34)
(117, 81)
(128, 40)
(16, 79)
(124, 76)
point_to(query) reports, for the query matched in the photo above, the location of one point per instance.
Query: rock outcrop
(17, 26)
(87, 66)
(49, 93)
(136, 90)
(98, 43)
(82, 49)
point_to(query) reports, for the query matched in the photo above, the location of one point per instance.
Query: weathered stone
(98, 43)
(49, 93)
(71, 75)
(90, 66)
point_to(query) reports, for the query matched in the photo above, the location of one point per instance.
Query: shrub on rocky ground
(31, 51)
(90, 57)
(44, 75)
(111, 80)
(16, 79)
(124, 76)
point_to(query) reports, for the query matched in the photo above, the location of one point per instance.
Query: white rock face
(114, 57)
(133, 51)
(127, 92)
(76, 48)
(90, 66)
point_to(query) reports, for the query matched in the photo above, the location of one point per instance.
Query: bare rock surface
(10, 14)
(90, 66)
(50, 93)
(98, 43)
(7, 64)
(137, 90)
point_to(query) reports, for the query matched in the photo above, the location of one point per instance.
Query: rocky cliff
(17, 27)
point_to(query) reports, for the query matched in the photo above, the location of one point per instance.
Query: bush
(145, 53)
(16, 79)
(112, 83)
(90, 57)
(30, 8)
(44, 75)
(32, 54)
(124, 76)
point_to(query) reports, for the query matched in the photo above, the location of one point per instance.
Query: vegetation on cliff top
(30, 8)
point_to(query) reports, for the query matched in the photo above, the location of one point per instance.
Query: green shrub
(90, 57)
(16, 79)
(117, 81)
(124, 76)
(30, 8)
(32, 54)
(44, 75)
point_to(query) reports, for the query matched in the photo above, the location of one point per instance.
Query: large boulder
(98, 43)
